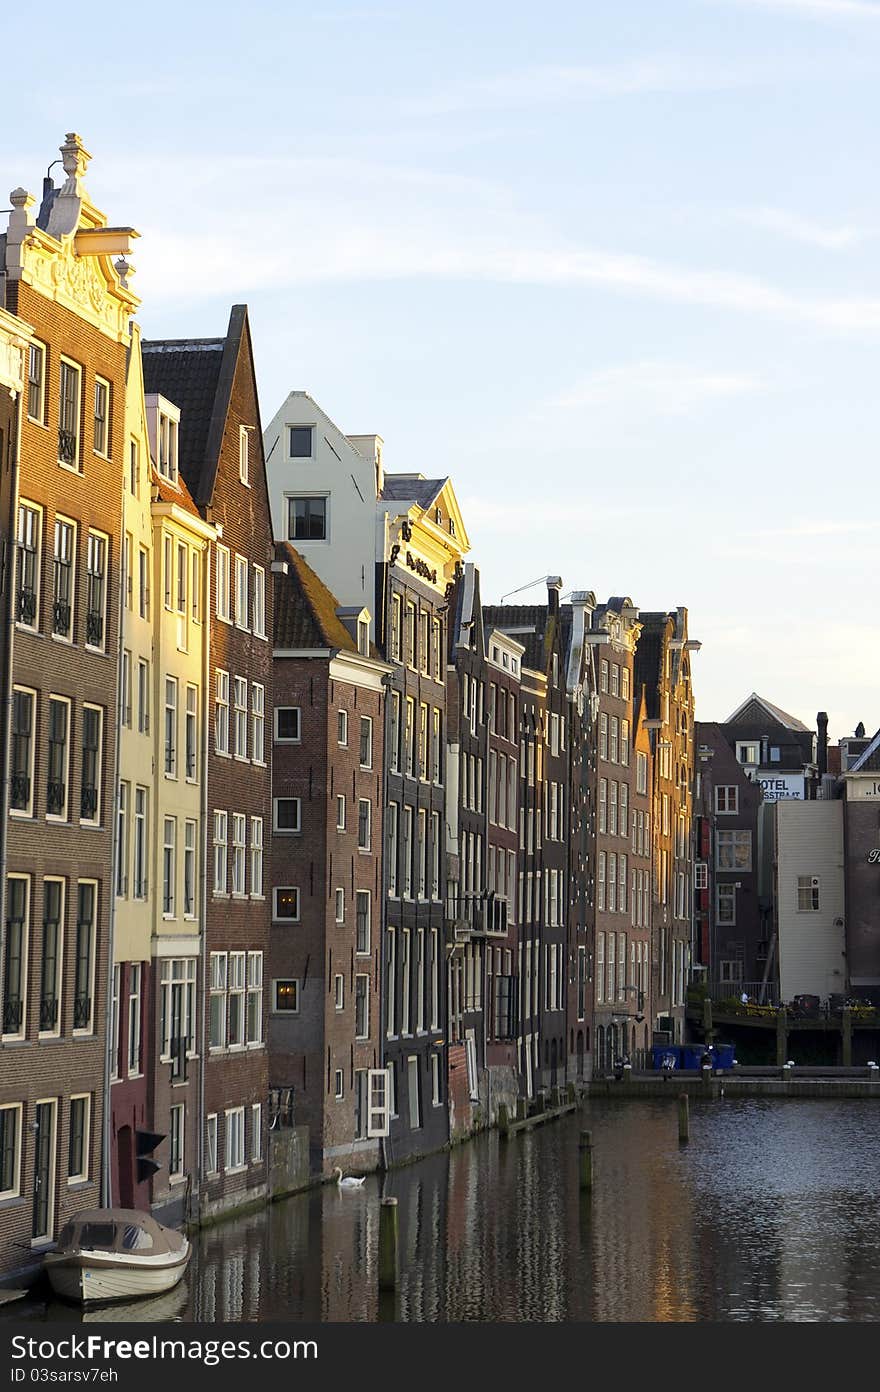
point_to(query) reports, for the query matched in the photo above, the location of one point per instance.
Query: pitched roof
(169, 494)
(305, 610)
(790, 722)
(403, 486)
(531, 618)
(869, 760)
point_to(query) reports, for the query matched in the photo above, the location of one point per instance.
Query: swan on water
(347, 1181)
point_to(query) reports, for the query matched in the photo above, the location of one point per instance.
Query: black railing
(56, 794)
(89, 802)
(169, 758)
(13, 1014)
(95, 627)
(82, 1012)
(26, 606)
(140, 889)
(66, 446)
(190, 763)
(48, 1012)
(19, 791)
(168, 902)
(61, 616)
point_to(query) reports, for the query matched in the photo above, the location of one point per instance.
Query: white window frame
(258, 723)
(259, 602)
(239, 855)
(288, 739)
(244, 432)
(278, 917)
(296, 983)
(287, 831)
(75, 367)
(242, 613)
(224, 584)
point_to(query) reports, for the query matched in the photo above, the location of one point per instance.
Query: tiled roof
(305, 610)
(169, 494)
(187, 372)
(403, 486)
(790, 722)
(532, 618)
(869, 760)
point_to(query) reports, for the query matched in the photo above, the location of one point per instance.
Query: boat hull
(87, 1281)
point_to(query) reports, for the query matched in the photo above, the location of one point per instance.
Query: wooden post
(503, 1118)
(708, 1030)
(586, 1161)
(388, 1240)
(846, 1036)
(684, 1122)
(781, 1038)
(522, 1108)
(555, 1098)
(572, 1093)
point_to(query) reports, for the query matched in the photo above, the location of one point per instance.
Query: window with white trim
(287, 724)
(256, 857)
(808, 893)
(254, 998)
(256, 1132)
(244, 455)
(241, 592)
(211, 1164)
(727, 799)
(63, 578)
(220, 847)
(58, 760)
(237, 987)
(287, 815)
(258, 722)
(285, 996)
(240, 718)
(259, 602)
(10, 1149)
(235, 1139)
(178, 1009)
(217, 962)
(27, 570)
(96, 590)
(191, 733)
(176, 1141)
(167, 439)
(170, 727)
(224, 583)
(21, 774)
(285, 907)
(221, 713)
(78, 1137)
(190, 868)
(69, 401)
(239, 835)
(36, 383)
(169, 867)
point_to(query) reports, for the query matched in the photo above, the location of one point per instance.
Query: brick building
(324, 967)
(211, 1000)
(63, 672)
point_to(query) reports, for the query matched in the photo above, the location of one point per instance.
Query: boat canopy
(118, 1230)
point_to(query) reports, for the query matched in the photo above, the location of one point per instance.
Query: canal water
(772, 1212)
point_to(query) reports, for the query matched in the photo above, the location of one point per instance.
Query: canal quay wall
(829, 1084)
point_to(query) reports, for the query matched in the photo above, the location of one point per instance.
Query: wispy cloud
(662, 388)
(801, 229)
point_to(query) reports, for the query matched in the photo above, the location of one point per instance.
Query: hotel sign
(781, 787)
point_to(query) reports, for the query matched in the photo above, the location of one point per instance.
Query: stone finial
(74, 156)
(66, 208)
(123, 269)
(21, 222)
(20, 198)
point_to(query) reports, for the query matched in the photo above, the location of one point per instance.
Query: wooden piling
(586, 1161)
(388, 1243)
(503, 1118)
(522, 1108)
(684, 1122)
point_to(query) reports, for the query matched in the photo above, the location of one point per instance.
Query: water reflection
(770, 1213)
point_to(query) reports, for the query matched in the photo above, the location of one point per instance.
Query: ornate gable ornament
(71, 261)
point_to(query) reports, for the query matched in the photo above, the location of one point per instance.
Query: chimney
(554, 590)
(822, 751)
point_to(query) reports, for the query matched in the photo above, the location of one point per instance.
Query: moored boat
(116, 1254)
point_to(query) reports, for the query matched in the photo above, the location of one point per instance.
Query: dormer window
(438, 516)
(451, 527)
(168, 448)
(363, 638)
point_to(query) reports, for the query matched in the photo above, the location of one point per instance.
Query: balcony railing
(88, 802)
(477, 913)
(26, 606)
(56, 796)
(178, 1058)
(13, 1014)
(61, 617)
(66, 446)
(48, 1012)
(82, 1011)
(95, 628)
(19, 791)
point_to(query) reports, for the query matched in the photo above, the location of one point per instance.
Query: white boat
(116, 1254)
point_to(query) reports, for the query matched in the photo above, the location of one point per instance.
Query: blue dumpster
(723, 1055)
(693, 1055)
(666, 1056)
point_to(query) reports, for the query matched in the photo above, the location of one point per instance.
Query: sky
(614, 268)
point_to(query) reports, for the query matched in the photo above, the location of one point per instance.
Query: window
(361, 1007)
(299, 441)
(196, 588)
(239, 832)
(27, 597)
(178, 1011)
(78, 1140)
(170, 727)
(725, 903)
(143, 583)
(392, 848)
(224, 584)
(409, 636)
(603, 804)
(90, 790)
(733, 850)
(240, 718)
(189, 869)
(256, 1132)
(435, 855)
(15, 954)
(340, 812)
(126, 688)
(259, 602)
(258, 722)
(437, 746)
(254, 998)
(287, 724)
(62, 578)
(21, 773)
(406, 851)
(285, 997)
(68, 414)
(134, 1019)
(701, 875)
(182, 581)
(437, 636)
(362, 921)
(175, 1145)
(241, 592)
(235, 1139)
(122, 841)
(114, 1021)
(134, 467)
(167, 433)
(748, 753)
(36, 385)
(339, 992)
(422, 847)
(96, 590)
(340, 905)
(10, 1150)
(307, 519)
(143, 687)
(727, 799)
(236, 999)
(140, 843)
(287, 814)
(220, 832)
(168, 569)
(169, 866)
(603, 736)
(221, 713)
(338, 1084)
(217, 1000)
(101, 437)
(394, 643)
(256, 857)
(286, 904)
(423, 741)
(424, 642)
(600, 884)
(191, 733)
(366, 745)
(243, 455)
(58, 757)
(363, 824)
(342, 727)
(211, 1144)
(808, 893)
(624, 743)
(52, 952)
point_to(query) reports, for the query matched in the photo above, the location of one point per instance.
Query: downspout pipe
(6, 675)
(203, 905)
